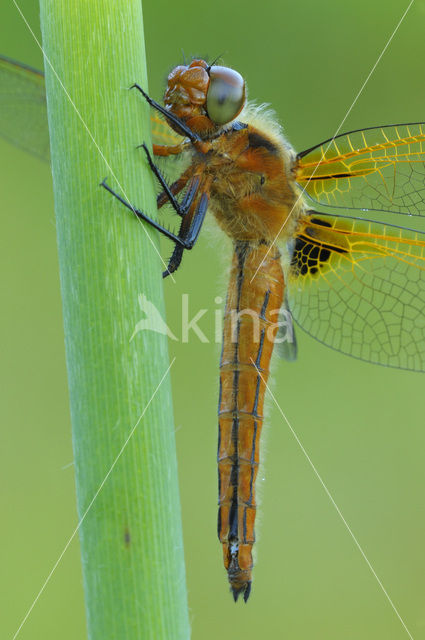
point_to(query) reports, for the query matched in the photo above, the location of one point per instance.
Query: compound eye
(226, 94)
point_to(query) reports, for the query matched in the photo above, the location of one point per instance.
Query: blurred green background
(362, 425)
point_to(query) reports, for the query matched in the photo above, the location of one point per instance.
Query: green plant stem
(131, 538)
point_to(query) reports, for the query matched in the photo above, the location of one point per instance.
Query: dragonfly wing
(380, 168)
(174, 165)
(358, 286)
(286, 341)
(23, 109)
(162, 133)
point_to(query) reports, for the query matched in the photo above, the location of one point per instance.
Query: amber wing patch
(359, 287)
(162, 132)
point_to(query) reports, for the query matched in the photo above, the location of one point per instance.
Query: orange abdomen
(250, 325)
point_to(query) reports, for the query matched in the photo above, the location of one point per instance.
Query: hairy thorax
(253, 195)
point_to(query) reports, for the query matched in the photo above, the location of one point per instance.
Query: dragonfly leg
(168, 234)
(186, 131)
(189, 233)
(166, 150)
(184, 206)
(174, 261)
(189, 228)
(189, 196)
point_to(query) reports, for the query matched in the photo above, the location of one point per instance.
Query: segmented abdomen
(250, 327)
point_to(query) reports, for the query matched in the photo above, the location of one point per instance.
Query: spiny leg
(189, 196)
(180, 209)
(191, 223)
(174, 261)
(184, 206)
(169, 192)
(168, 195)
(176, 187)
(189, 229)
(186, 131)
(168, 234)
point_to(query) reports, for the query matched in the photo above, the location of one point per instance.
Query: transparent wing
(162, 132)
(358, 286)
(381, 168)
(286, 340)
(23, 111)
(172, 166)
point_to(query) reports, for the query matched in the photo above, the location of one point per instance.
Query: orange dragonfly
(304, 248)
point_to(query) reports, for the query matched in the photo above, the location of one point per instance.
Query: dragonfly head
(205, 97)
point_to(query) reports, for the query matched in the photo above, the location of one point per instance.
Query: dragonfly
(315, 239)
